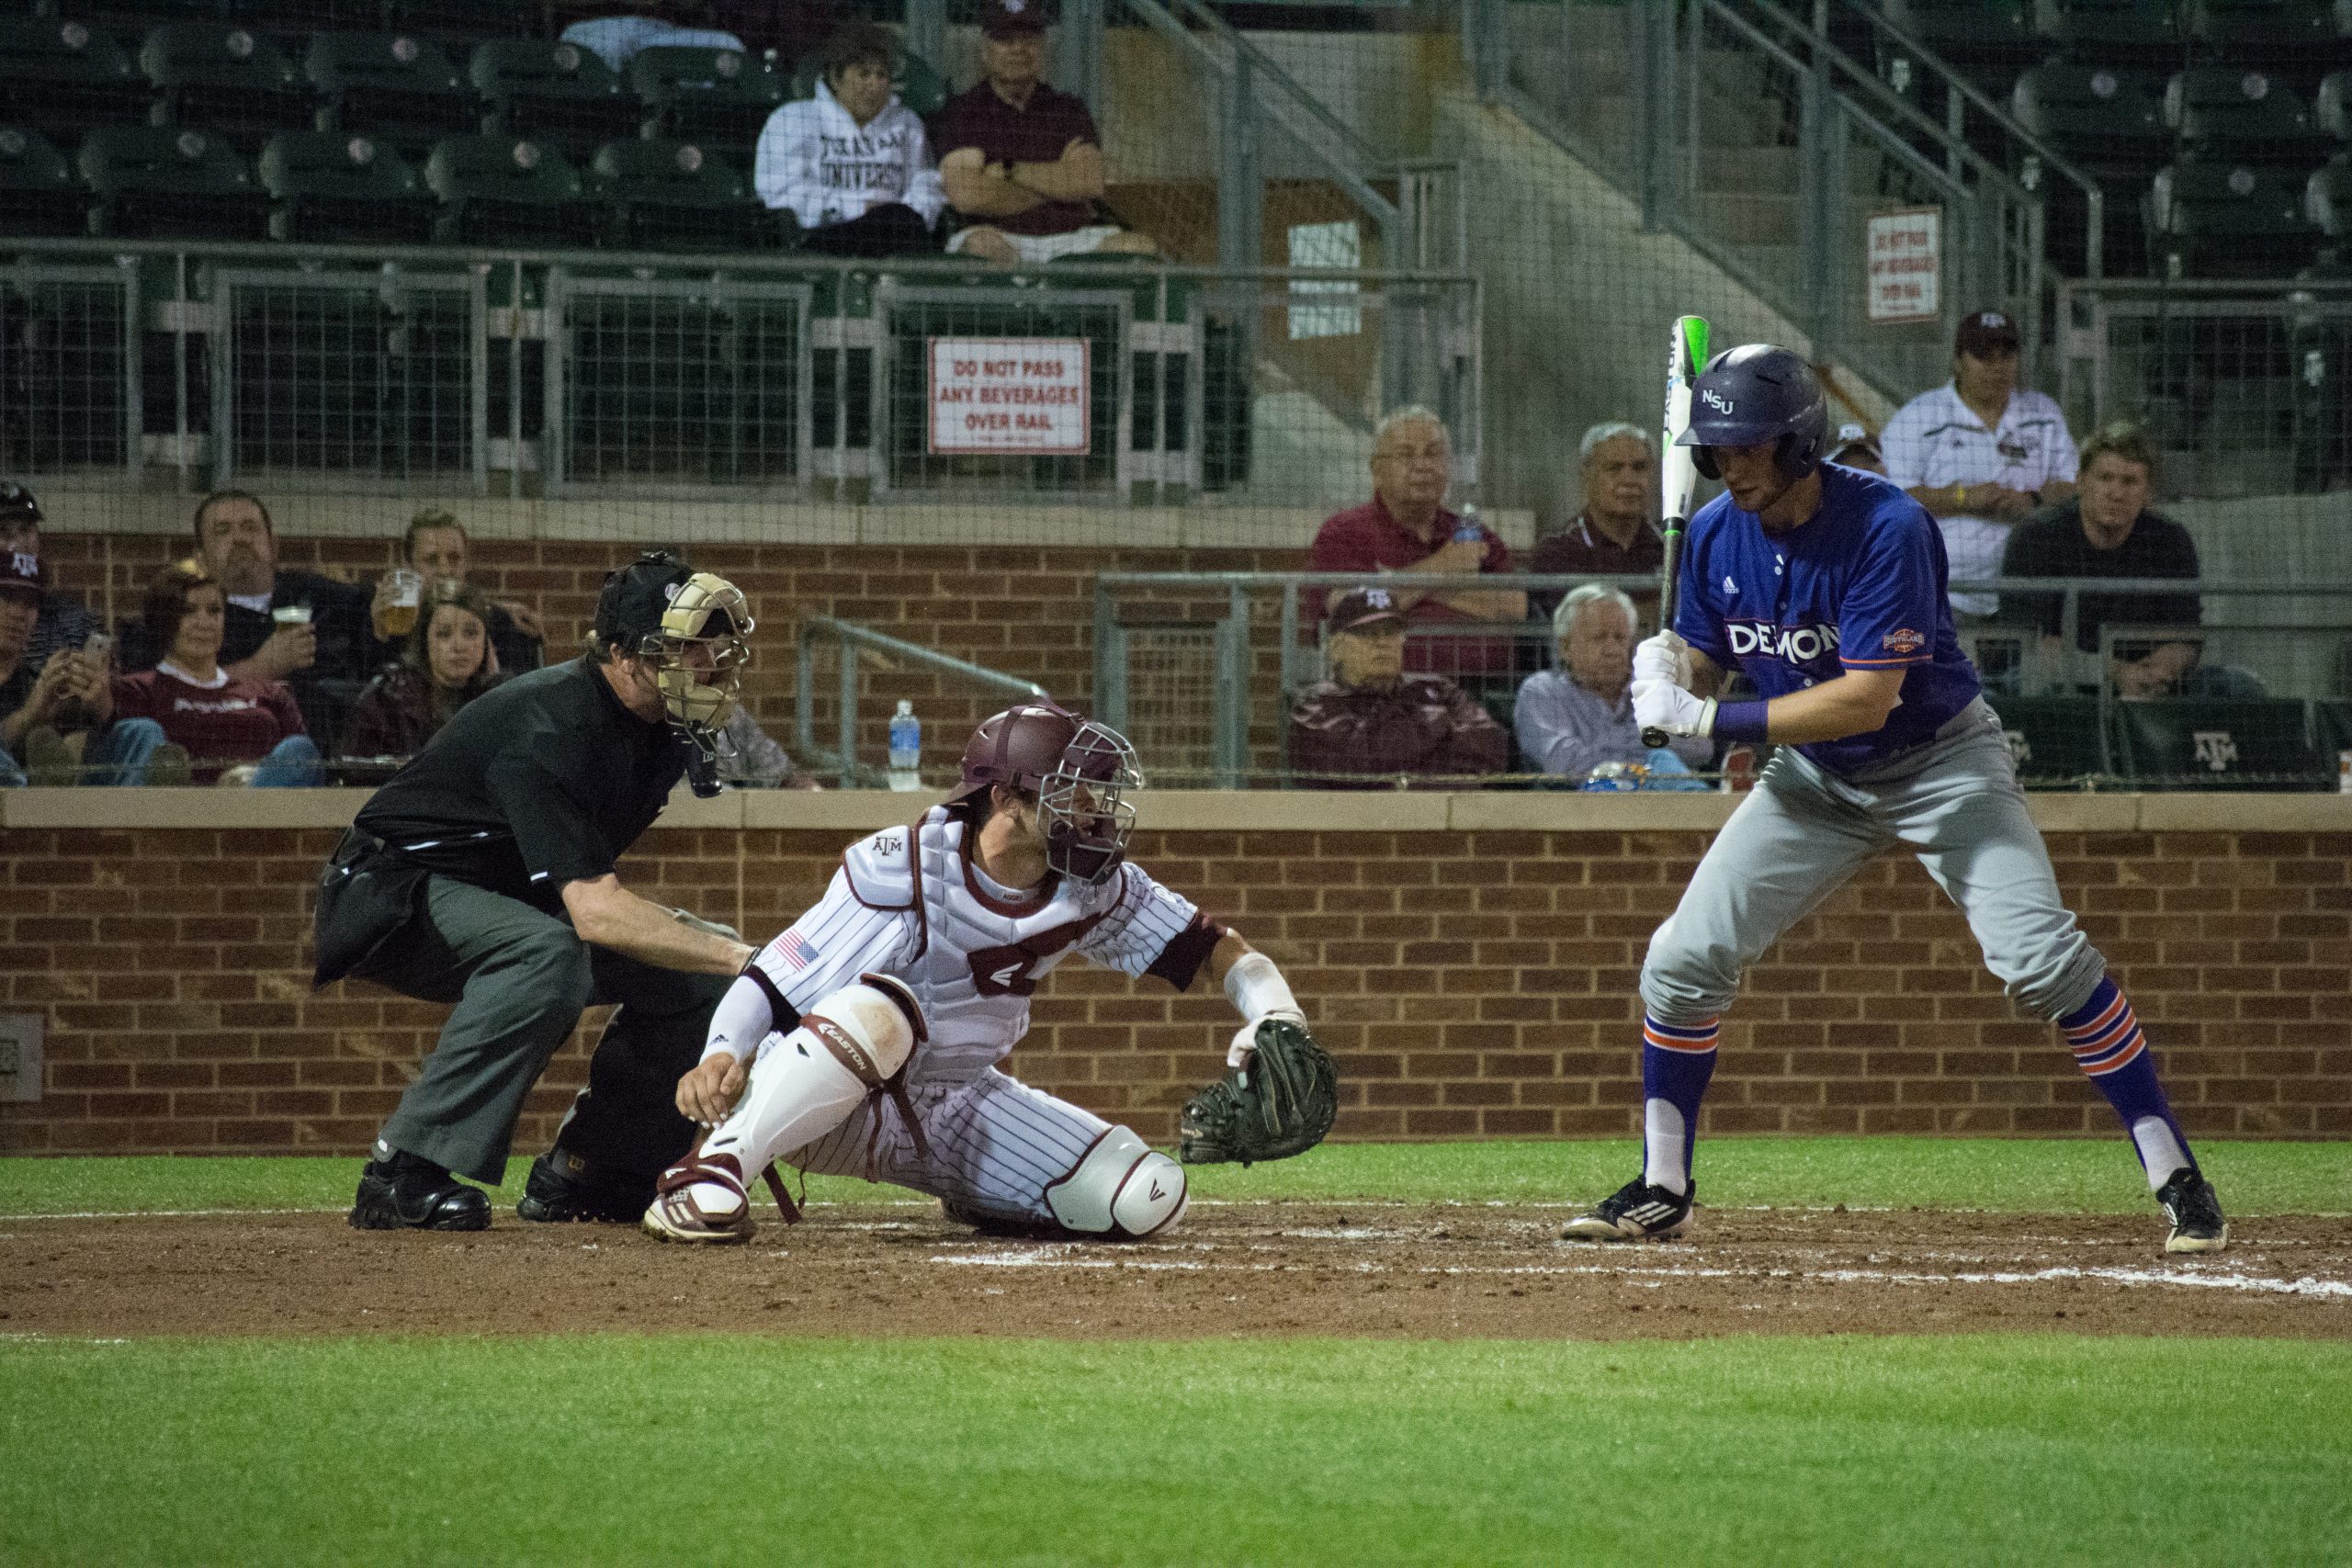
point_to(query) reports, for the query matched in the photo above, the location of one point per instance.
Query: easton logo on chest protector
(1011, 970)
(1797, 645)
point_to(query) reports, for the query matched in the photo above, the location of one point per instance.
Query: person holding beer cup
(445, 662)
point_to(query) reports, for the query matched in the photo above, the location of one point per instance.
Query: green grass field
(690, 1448)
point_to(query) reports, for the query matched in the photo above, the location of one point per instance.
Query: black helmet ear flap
(1797, 454)
(1703, 459)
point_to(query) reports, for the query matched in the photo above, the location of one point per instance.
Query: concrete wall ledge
(1191, 811)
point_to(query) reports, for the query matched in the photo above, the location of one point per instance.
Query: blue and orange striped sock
(2109, 1045)
(1677, 1061)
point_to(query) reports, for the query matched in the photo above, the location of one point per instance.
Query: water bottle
(906, 748)
(1468, 530)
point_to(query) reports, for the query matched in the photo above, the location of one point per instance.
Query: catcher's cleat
(701, 1199)
(406, 1192)
(1009, 1228)
(559, 1192)
(1636, 1211)
(2195, 1210)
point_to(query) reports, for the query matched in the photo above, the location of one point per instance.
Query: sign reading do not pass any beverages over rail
(1905, 264)
(1013, 395)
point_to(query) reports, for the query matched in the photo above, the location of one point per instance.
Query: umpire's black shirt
(540, 781)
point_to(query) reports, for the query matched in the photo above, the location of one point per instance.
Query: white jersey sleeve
(1904, 442)
(871, 917)
(1149, 921)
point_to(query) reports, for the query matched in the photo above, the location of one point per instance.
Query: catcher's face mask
(700, 651)
(1081, 805)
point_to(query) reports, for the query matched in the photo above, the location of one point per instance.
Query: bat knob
(1654, 739)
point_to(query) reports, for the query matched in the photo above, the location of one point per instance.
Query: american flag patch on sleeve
(797, 951)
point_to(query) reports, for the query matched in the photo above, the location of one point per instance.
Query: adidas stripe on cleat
(2195, 1210)
(1636, 1211)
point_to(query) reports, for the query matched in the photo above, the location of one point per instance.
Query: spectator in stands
(437, 548)
(1980, 454)
(2109, 530)
(191, 718)
(615, 39)
(1856, 447)
(1371, 725)
(750, 758)
(1579, 718)
(446, 662)
(852, 162)
(1612, 534)
(61, 623)
(1405, 529)
(49, 707)
(1021, 162)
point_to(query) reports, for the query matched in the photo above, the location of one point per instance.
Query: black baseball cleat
(1636, 1211)
(406, 1192)
(560, 1190)
(2195, 1210)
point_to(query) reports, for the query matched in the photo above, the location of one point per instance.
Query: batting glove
(1658, 705)
(1665, 656)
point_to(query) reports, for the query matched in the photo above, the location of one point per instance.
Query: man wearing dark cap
(1980, 454)
(41, 699)
(61, 623)
(1022, 163)
(483, 875)
(1371, 725)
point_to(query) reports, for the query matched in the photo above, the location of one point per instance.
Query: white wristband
(1257, 988)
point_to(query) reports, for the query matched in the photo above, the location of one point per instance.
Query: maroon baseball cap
(1986, 333)
(20, 569)
(1363, 608)
(1012, 19)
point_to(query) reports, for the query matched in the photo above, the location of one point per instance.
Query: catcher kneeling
(863, 1040)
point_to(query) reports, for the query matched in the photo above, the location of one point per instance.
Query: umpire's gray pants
(1803, 831)
(521, 979)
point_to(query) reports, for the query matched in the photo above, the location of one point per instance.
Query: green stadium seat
(662, 195)
(391, 87)
(2332, 727)
(153, 182)
(2055, 740)
(67, 78)
(920, 86)
(716, 98)
(327, 186)
(497, 190)
(2331, 104)
(37, 188)
(2231, 112)
(1978, 37)
(2092, 29)
(2098, 117)
(230, 81)
(552, 93)
(2221, 220)
(2264, 30)
(2217, 745)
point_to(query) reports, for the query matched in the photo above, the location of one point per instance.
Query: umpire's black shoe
(1636, 1211)
(2195, 1210)
(407, 1191)
(561, 1190)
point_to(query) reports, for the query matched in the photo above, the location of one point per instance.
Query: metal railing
(851, 642)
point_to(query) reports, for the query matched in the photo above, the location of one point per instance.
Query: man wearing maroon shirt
(1405, 529)
(1612, 535)
(1022, 163)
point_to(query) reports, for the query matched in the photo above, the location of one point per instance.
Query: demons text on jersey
(1800, 646)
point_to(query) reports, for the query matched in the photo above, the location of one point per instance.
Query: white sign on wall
(1905, 252)
(1009, 394)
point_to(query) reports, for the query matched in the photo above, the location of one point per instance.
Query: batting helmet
(1752, 394)
(1078, 771)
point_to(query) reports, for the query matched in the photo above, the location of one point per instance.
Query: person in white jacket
(852, 162)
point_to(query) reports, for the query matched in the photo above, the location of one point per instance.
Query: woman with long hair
(188, 717)
(446, 662)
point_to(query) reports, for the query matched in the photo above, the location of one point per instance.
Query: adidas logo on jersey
(1729, 586)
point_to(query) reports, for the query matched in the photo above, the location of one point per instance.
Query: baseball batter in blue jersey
(1827, 587)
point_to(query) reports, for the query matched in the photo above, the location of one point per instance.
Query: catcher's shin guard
(1121, 1189)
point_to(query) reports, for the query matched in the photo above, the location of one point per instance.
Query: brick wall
(1470, 960)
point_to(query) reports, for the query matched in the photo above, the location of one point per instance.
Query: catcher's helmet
(1752, 394)
(1078, 771)
(658, 608)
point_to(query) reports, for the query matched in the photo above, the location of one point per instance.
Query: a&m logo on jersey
(1903, 640)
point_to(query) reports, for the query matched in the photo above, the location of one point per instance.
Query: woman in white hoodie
(852, 162)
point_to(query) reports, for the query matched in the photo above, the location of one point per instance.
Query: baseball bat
(1677, 472)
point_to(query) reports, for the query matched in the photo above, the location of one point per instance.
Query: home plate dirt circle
(1383, 1270)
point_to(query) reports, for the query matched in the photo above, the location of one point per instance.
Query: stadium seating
(2216, 745)
(2111, 30)
(663, 195)
(497, 190)
(2054, 739)
(716, 98)
(2225, 220)
(1969, 34)
(153, 182)
(2265, 30)
(391, 87)
(66, 78)
(37, 188)
(552, 92)
(326, 187)
(2233, 112)
(229, 81)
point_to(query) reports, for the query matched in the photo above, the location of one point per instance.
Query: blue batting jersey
(1860, 586)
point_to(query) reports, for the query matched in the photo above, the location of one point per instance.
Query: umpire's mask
(691, 629)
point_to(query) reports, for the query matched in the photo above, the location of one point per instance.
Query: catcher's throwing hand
(1280, 1101)
(709, 1091)
(1658, 705)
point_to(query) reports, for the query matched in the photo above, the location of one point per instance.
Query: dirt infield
(1394, 1270)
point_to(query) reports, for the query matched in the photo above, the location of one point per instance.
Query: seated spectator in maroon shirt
(446, 662)
(1405, 529)
(1612, 534)
(1022, 163)
(190, 717)
(1371, 725)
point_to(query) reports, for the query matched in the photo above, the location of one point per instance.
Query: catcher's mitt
(1280, 1105)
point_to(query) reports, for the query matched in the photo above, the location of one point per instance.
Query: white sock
(2160, 1153)
(1663, 1142)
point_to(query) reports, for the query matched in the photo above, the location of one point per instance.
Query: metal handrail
(851, 638)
